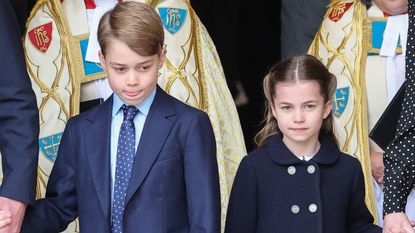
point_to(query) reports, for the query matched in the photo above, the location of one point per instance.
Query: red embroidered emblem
(338, 11)
(90, 4)
(41, 37)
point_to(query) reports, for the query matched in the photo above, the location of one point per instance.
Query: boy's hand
(16, 209)
(5, 218)
(378, 168)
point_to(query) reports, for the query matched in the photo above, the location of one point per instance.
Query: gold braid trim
(198, 54)
(38, 4)
(368, 32)
(360, 15)
(79, 65)
(359, 123)
(63, 24)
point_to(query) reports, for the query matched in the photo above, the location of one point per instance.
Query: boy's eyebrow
(116, 64)
(120, 64)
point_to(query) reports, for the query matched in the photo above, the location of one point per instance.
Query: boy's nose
(133, 78)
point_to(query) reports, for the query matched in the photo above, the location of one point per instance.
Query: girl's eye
(309, 106)
(144, 68)
(286, 107)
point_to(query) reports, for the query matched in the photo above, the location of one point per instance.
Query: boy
(140, 162)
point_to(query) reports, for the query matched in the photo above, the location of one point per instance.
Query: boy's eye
(119, 69)
(144, 68)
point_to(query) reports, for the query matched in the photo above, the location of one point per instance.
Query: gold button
(295, 209)
(312, 208)
(311, 169)
(291, 170)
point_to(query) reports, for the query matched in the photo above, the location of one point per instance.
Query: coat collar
(279, 153)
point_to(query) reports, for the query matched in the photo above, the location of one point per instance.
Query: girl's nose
(298, 116)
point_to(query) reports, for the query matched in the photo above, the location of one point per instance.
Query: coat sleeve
(201, 176)
(399, 157)
(243, 202)
(19, 120)
(399, 173)
(59, 208)
(359, 219)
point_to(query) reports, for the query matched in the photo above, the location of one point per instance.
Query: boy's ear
(327, 109)
(102, 60)
(162, 57)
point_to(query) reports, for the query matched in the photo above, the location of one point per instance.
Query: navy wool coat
(276, 192)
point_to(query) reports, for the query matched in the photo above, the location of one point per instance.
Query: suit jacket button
(312, 208)
(291, 170)
(295, 209)
(311, 169)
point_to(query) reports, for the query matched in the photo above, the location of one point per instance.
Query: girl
(298, 180)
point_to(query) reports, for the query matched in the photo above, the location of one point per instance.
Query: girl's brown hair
(136, 24)
(298, 68)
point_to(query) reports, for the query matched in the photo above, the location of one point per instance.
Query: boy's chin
(132, 102)
(133, 99)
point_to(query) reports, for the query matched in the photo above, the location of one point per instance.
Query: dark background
(246, 35)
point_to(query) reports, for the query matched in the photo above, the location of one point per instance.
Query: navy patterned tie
(125, 158)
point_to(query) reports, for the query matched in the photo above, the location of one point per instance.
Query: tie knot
(129, 112)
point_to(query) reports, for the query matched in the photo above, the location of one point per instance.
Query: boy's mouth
(132, 93)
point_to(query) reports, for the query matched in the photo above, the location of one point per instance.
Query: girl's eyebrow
(310, 102)
(307, 102)
(284, 103)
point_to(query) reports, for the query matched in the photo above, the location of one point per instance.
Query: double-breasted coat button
(291, 170)
(295, 209)
(311, 169)
(312, 208)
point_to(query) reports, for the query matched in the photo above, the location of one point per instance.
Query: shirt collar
(144, 106)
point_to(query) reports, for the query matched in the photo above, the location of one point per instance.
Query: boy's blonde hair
(136, 24)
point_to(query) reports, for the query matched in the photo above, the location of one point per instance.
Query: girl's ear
(327, 109)
(102, 61)
(272, 108)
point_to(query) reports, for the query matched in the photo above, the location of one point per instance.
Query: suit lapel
(98, 153)
(156, 129)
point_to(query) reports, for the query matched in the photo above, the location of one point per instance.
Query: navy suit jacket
(19, 120)
(174, 186)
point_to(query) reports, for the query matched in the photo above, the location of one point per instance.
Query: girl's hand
(5, 218)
